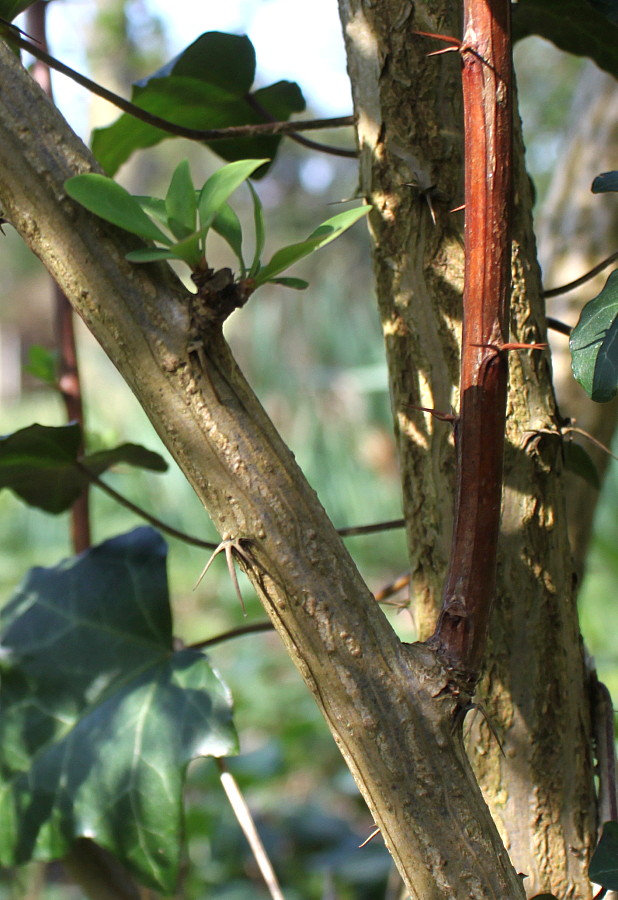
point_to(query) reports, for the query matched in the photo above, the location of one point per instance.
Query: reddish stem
(461, 632)
(68, 380)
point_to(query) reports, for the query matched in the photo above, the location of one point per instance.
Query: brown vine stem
(194, 134)
(565, 288)
(69, 383)
(461, 632)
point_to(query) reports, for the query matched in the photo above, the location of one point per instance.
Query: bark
(390, 706)
(576, 231)
(408, 107)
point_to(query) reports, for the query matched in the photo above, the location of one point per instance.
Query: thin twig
(195, 134)
(245, 820)
(166, 529)
(574, 430)
(255, 628)
(565, 288)
(355, 530)
(557, 325)
(303, 141)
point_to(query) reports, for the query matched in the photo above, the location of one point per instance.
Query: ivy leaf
(43, 364)
(607, 181)
(594, 344)
(323, 235)
(574, 26)
(106, 198)
(9, 9)
(207, 86)
(38, 464)
(604, 863)
(100, 716)
(129, 454)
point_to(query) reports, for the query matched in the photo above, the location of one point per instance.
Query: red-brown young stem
(461, 631)
(68, 380)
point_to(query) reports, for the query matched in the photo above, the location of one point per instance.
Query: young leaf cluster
(182, 220)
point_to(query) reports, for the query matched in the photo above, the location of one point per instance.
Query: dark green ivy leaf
(594, 344)
(9, 9)
(604, 863)
(607, 181)
(38, 464)
(99, 715)
(574, 26)
(207, 86)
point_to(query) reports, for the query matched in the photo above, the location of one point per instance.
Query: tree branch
(388, 705)
(194, 134)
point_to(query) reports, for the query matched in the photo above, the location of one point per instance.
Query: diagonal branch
(388, 705)
(195, 134)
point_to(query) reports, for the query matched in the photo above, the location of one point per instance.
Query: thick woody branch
(387, 704)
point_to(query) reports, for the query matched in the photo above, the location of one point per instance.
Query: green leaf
(572, 25)
(607, 181)
(154, 207)
(9, 9)
(43, 364)
(260, 232)
(594, 344)
(100, 716)
(225, 60)
(607, 8)
(604, 863)
(579, 461)
(109, 200)
(180, 202)
(297, 284)
(323, 235)
(221, 185)
(38, 464)
(227, 225)
(206, 87)
(130, 454)
(148, 254)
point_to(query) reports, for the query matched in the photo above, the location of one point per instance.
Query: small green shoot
(187, 215)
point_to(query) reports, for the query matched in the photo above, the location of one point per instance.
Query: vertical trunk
(535, 691)
(576, 231)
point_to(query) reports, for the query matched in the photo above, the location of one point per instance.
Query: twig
(245, 820)
(557, 325)
(565, 288)
(355, 530)
(166, 529)
(195, 134)
(304, 142)
(255, 628)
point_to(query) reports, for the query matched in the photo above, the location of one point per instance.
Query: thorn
(442, 416)
(373, 834)
(512, 345)
(458, 208)
(229, 547)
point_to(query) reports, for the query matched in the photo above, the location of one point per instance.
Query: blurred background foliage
(316, 361)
